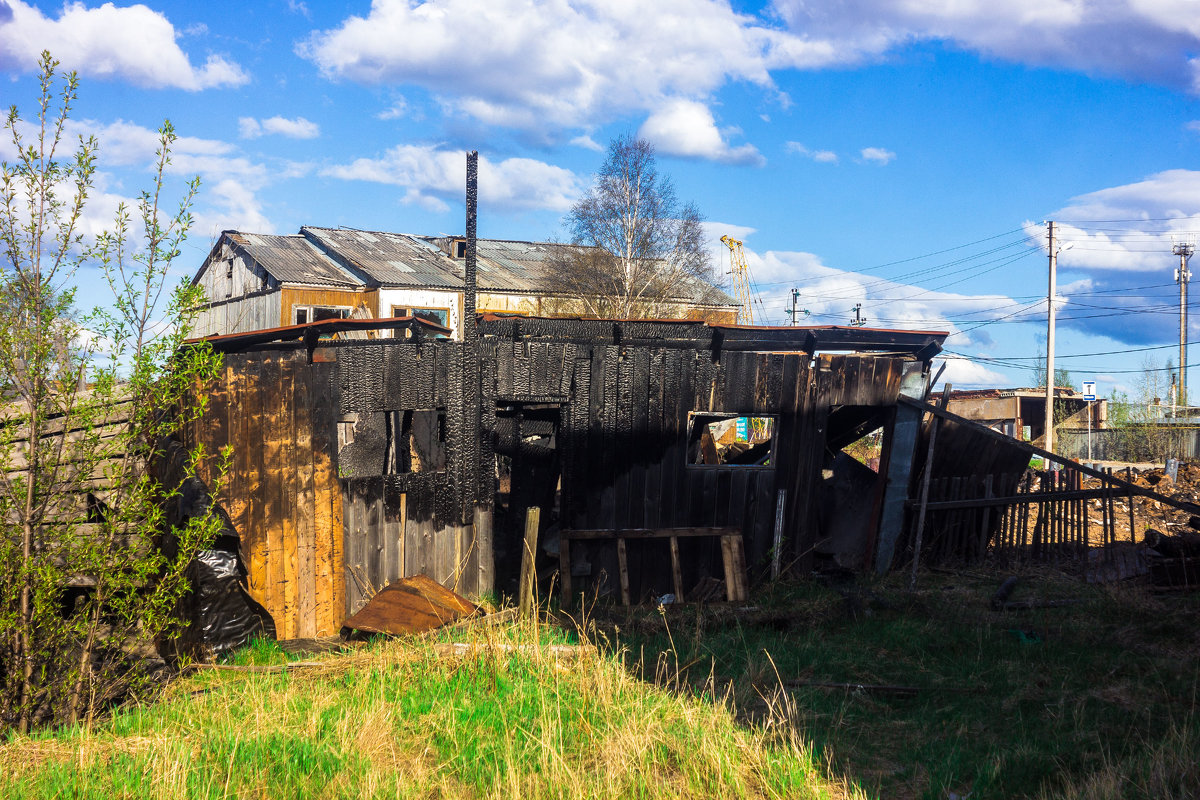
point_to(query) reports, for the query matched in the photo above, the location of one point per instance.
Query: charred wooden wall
(354, 464)
(282, 491)
(623, 432)
(401, 520)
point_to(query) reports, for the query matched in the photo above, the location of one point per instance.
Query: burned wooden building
(359, 461)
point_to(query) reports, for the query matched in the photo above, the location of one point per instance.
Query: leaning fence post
(525, 599)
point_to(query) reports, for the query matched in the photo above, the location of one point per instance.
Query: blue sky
(901, 154)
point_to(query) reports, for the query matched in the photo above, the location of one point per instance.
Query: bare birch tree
(634, 245)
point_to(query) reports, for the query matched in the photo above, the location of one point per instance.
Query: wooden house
(360, 461)
(257, 281)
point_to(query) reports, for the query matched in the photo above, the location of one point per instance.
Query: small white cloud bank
(819, 156)
(431, 175)
(298, 128)
(877, 155)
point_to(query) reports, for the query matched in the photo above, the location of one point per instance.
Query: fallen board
(410, 605)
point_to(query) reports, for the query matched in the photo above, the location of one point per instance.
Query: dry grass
(397, 720)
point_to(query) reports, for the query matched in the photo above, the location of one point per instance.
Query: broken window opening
(731, 440)
(867, 450)
(416, 441)
(440, 316)
(305, 314)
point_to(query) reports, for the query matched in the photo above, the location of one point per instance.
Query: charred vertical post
(470, 360)
(470, 331)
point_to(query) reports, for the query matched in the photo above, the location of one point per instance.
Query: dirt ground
(1149, 514)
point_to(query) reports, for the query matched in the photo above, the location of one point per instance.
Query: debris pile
(1164, 542)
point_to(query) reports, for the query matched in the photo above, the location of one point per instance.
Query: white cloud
(431, 175)
(1139, 39)
(830, 295)
(877, 155)
(133, 43)
(964, 373)
(714, 230)
(230, 205)
(1115, 257)
(1193, 126)
(398, 109)
(1168, 203)
(124, 143)
(561, 64)
(686, 128)
(298, 128)
(587, 143)
(820, 156)
(569, 65)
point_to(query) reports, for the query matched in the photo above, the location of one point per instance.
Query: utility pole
(859, 320)
(1050, 342)
(1182, 276)
(796, 312)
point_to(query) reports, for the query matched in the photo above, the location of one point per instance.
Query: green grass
(398, 719)
(1009, 704)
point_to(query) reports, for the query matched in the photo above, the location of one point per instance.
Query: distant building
(259, 281)
(1021, 413)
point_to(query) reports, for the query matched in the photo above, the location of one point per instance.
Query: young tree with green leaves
(85, 582)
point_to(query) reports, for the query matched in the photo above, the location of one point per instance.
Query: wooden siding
(295, 296)
(251, 313)
(282, 493)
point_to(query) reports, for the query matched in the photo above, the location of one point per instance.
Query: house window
(439, 316)
(731, 440)
(460, 248)
(305, 314)
(416, 441)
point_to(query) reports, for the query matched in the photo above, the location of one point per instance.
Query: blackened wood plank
(673, 431)
(625, 450)
(657, 443)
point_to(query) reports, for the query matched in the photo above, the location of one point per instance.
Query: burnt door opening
(528, 474)
(851, 486)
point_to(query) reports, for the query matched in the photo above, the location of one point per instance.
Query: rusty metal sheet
(411, 605)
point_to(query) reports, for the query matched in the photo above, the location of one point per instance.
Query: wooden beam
(647, 533)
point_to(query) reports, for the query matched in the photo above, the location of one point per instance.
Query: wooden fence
(1042, 515)
(1037, 515)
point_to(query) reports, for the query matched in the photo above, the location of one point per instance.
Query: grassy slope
(397, 720)
(1095, 699)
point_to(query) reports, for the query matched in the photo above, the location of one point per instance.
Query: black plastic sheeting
(221, 613)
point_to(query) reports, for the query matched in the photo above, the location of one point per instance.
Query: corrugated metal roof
(391, 259)
(349, 257)
(293, 259)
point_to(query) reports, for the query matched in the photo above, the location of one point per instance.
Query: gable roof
(353, 258)
(288, 259)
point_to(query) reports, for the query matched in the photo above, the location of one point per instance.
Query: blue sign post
(1089, 395)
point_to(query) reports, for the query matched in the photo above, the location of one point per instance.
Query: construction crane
(740, 271)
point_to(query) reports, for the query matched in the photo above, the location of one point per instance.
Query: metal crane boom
(740, 271)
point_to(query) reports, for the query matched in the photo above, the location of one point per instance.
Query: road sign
(1089, 390)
